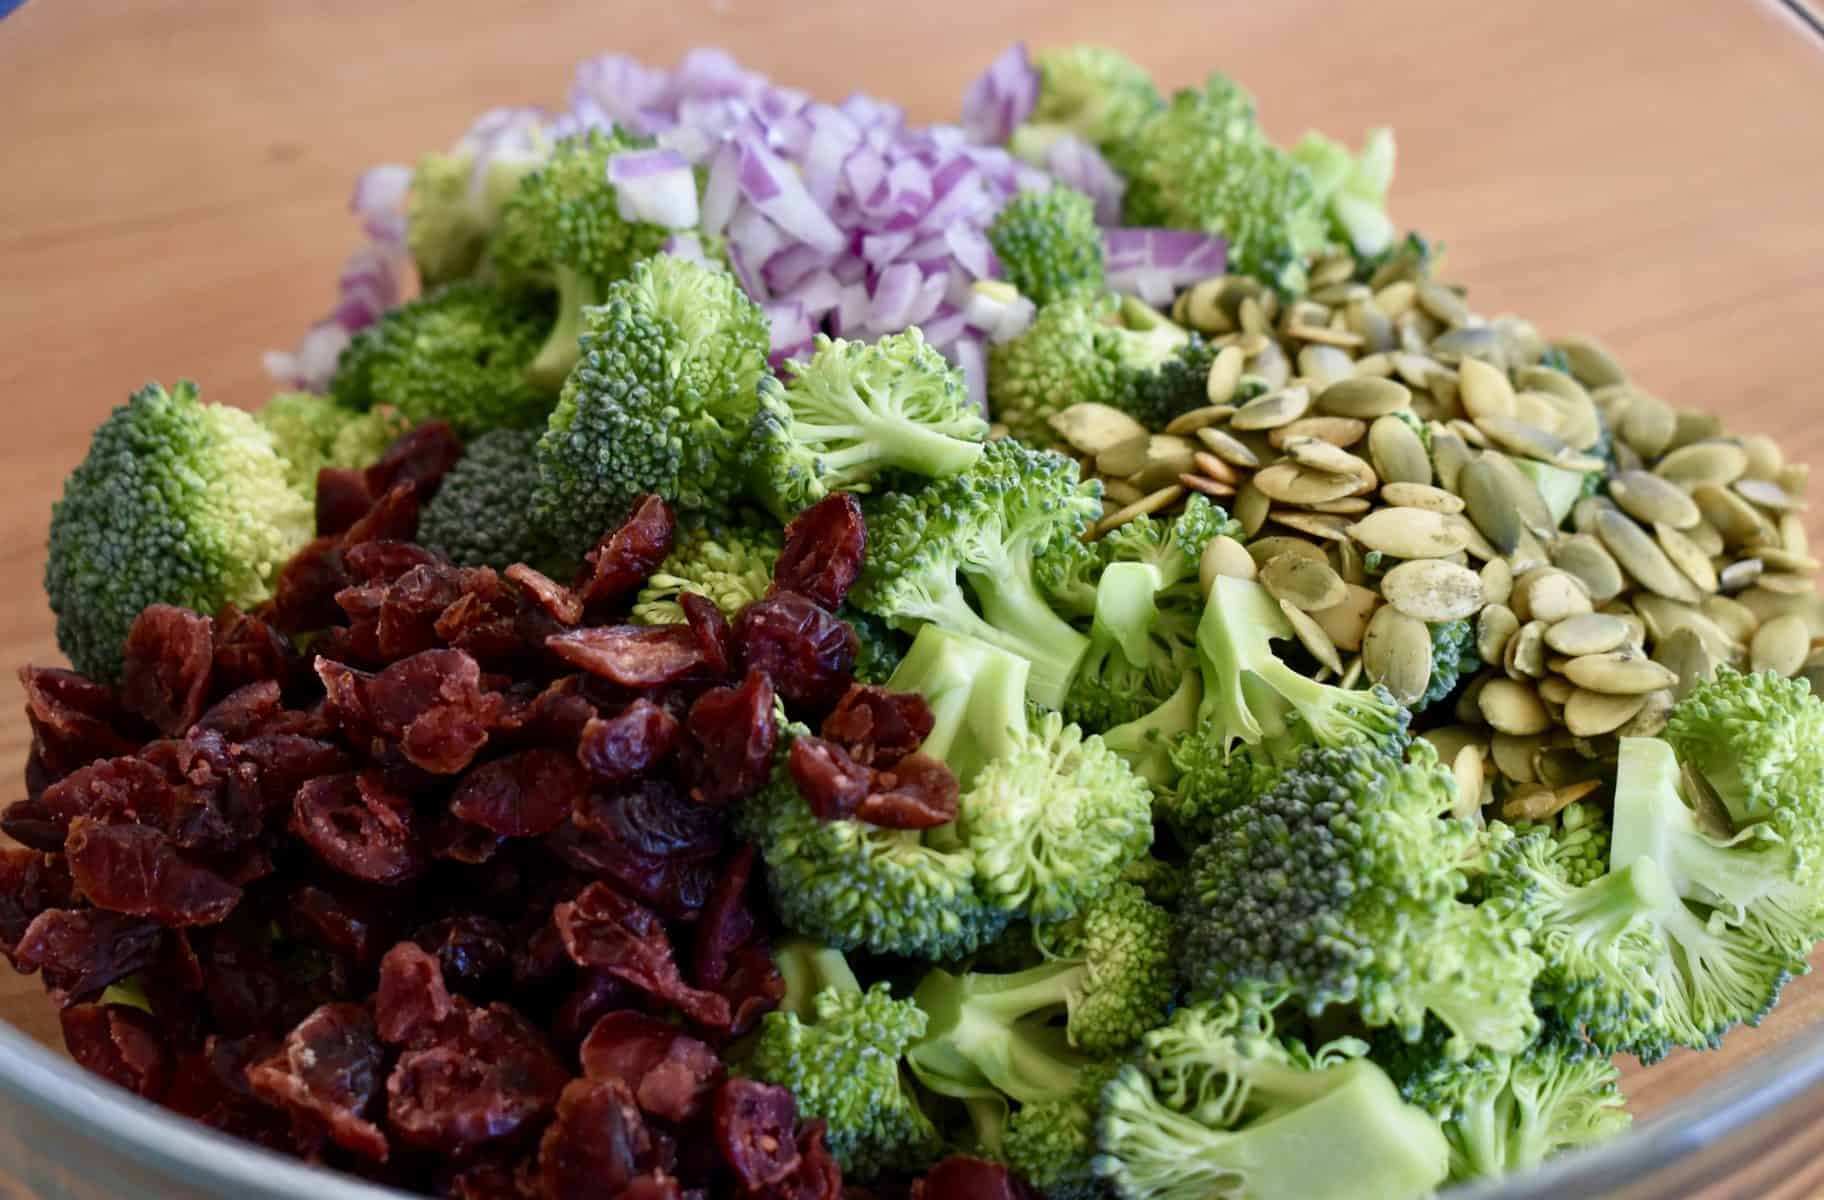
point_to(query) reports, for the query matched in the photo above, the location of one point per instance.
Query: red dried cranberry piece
(818, 1177)
(341, 923)
(247, 990)
(588, 1002)
(412, 1003)
(327, 1074)
(473, 951)
(625, 746)
(878, 727)
(409, 608)
(651, 819)
(285, 762)
(304, 595)
(484, 620)
(393, 518)
(522, 795)
(421, 457)
(74, 720)
(359, 827)
(490, 1077)
(714, 636)
(210, 1085)
(676, 888)
(823, 551)
(82, 951)
(809, 654)
(633, 656)
(166, 665)
(727, 924)
(432, 702)
(597, 1146)
(605, 931)
(384, 561)
(732, 732)
(122, 1044)
(753, 988)
(919, 793)
(623, 560)
(670, 1073)
(961, 1177)
(831, 782)
(753, 1125)
(564, 605)
(248, 650)
(30, 883)
(134, 869)
(656, 1185)
(342, 499)
(245, 711)
(112, 787)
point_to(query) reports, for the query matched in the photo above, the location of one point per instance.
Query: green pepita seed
(1618, 673)
(1228, 448)
(1364, 397)
(1272, 410)
(1408, 533)
(1582, 556)
(1780, 646)
(1642, 558)
(1301, 581)
(1225, 375)
(1703, 462)
(1650, 499)
(1587, 633)
(1396, 653)
(1433, 590)
(1513, 707)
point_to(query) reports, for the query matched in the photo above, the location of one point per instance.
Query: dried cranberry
(753, 1126)
(421, 457)
(30, 883)
(342, 499)
(342, 923)
(304, 595)
(809, 654)
(651, 819)
(732, 733)
(489, 1077)
(961, 1177)
(248, 650)
(675, 887)
(393, 518)
(623, 560)
(472, 950)
(522, 795)
(752, 986)
(824, 546)
(655, 1185)
(484, 620)
(135, 869)
(597, 1145)
(878, 727)
(382, 561)
(919, 793)
(714, 636)
(166, 665)
(409, 607)
(357, 826)
(123, 1045)
(412, 1003)
(670, 1073)
(74, 720)
(630, 743)
(831, 782)
(632, 656)
(497, 1176)
(605, 931)
(727, 923)
(564, 605)
(328, 1073)
(817, 1177)
(82, 951)
(284, 762)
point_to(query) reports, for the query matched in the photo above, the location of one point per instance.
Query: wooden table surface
(176, 173)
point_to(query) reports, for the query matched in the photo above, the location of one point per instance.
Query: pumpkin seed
(1348, 506)
(1592, 714)
(1272, 410)
(1687, 556)
(1197, 418)
(1323, 365)
(1733, 618)
(1494, 626)
(1485, 499)
(1642, 558)
(1433, 590)
(1473, 541)
(1650, 721)
(1732, 516)
(1397, 453)
(1290, 483)
(1456, 345)
(1251, 507)
(1516, 756)
(1227, 447)
(1140, 508)
(1364, 397)
(1303, 582)
(1765, 459)
(1449, 455)
(1696, 425)
(1124, 457)
(1396, 653)
(1685, 655)
(1651, 499)
(1484, 391)
(1421, 495)
(1215, 468)
(1662, 617)
(1497, 581)
(1312, 637)
(1513, 707)
(1469, 433)
(1320, 455)
(1466, 774)
(1093, 428)
(1780, 646)
(1793, 535)
(1408, 533)
(1591, 364)
(1778, 558)
(1223, 555)
(1706, 538)
(1703, 462)
(1524, 655)
(1618, 673)
(1587, 633)
(1523, 494)
(1119, 492)
(1768, 494)
(1167, 457)
(1739, 575)
(1330, 527)
(1517, 437)
(1341, 432)
(1208, 486)
(1786, 583)
(1648, 425)
(1556, 691)
(1550, 595)
(1346, 623)
(1225, 375)
(1265, 549)
(1442, 303)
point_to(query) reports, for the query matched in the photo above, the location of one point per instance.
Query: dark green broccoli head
(1052, 1143)
(1057, 362)
(1453, 659)
(482, 515)
(177, 502)
(664, 393)
(1049, 244)
(459, 354)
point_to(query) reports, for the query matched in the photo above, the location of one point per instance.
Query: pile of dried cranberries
(425, 872)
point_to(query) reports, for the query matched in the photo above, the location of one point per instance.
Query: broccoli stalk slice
(1126, 609)
(1146, 744)
(558, 355)
(809, 969)
(1010, 600)
(976, 693)
(988, 1035)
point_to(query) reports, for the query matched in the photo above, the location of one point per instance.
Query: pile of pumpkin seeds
(1397, 461)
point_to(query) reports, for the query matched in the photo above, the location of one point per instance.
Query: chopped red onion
(1076, 163)
(1001, 97)
(655, 186)
(1154, 264)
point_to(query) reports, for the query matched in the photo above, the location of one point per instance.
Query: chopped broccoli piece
(1219, 1108)
(563, 229)
(1340, 886)
(1052, 1143)
(660, 401)
(1453, 659)
(459, 353)
(1353, 188)
(838, 1048)
(1092, 92)
(1507, 1113)
(482, 514)
(177, 502)
(1049, 245)
(1580, 841)
(882, 647)
(961, 554)
(457, 195)
(729, 562)
(311, 432)
(854, 410)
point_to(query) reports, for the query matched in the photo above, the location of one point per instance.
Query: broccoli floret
(311, 432)
(659, 402)
(838, 1049)
(1758, 741)
(881, 647)
(457, 195)
(1093, 92)
(177, 502)
(1411, 257)
(1028, 1036)
(1218, 1108)
(459, 353)
(1203, 162)
(1084, 349)
(961, 554)
(854, 410)
(1049, 244)
(1507, 1113)
(1340, 886)
(482, 514)
(1580, 841)
(1052, 1143)
(730, 562)
(1210, 779)
(563, 228)
(1353, 188)
(1453, 659)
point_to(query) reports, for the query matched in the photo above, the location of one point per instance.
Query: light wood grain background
(173, 175)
